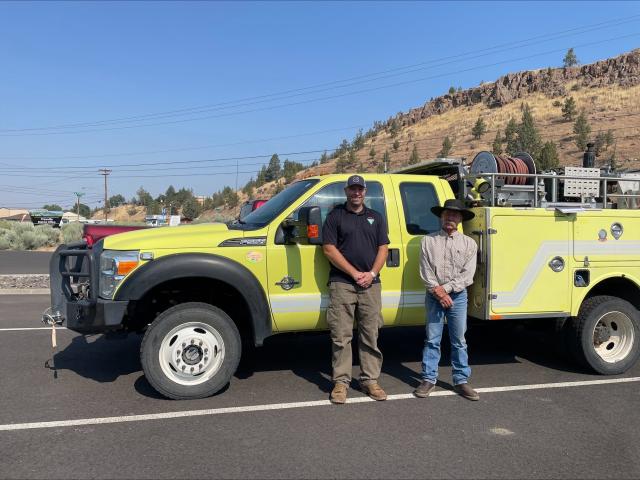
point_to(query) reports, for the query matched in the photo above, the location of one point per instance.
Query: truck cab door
(298, 274)
(416, 220)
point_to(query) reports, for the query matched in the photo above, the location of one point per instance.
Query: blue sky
(197, 78)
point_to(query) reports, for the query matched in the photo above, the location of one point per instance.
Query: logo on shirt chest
(371, 220)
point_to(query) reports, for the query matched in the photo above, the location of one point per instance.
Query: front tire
(606, 335)
(190, 351)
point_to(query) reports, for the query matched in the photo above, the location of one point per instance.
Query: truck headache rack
(514, 181)
(72, 278)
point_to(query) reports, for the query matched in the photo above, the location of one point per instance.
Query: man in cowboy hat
(447, 266)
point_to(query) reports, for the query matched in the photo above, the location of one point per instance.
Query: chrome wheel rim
(613, 337)
(191, 353)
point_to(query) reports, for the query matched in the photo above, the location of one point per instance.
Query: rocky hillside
(608, 91)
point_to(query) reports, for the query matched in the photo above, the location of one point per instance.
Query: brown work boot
(339, 393)
(374, 391)
(424, 389)
(465, 390)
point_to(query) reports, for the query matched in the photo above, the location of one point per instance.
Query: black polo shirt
(357, 237)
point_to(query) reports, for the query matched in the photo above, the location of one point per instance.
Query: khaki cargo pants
(349, 302)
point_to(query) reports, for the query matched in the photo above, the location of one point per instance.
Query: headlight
(114, 266)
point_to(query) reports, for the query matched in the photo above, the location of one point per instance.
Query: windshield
(275, 206)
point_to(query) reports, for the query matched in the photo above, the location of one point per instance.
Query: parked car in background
(249, 206)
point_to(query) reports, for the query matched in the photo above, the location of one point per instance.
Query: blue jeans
(457, 322)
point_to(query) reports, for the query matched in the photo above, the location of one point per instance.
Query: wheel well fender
(623, 287)
(185, 266)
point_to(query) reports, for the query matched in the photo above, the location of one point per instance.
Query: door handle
(393, 257)
(287, 283)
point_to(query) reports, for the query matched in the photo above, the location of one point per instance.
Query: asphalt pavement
(25, 262)
(273, 421)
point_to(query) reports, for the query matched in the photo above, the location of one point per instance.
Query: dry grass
(606, 108)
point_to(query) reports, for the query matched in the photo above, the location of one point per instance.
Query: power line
(330, 97)
(87, 169)
(183, 149)
(354, 80)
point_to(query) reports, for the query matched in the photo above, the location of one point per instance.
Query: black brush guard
(74, 274)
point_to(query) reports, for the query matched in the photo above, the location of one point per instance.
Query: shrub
(71, 232)
(52, 234)
(29, 240)
(5, 225)
(4, 243)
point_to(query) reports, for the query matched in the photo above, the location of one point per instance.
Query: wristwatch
(374, 274)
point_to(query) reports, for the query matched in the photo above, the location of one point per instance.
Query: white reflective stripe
(315, 302)
(548, 250)
(610, 247)
(414, 299)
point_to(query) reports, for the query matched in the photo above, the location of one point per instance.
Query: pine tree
(358, 141)
(273, 170)
(230, 197)
(290, 169)
(352, 159)
(569, 109)
(511, 136)
(452, 90)
(609, 139)
(582, 130)
(497, 144)
(394, 128)
(528, 136)
(414, 158)
(324, 158)
(341, 164)
(600, 143)
(191, 208)
(548, 158)
(570, 59)
(479, 129)
(396, 145)
(447, 145)
(372, 153)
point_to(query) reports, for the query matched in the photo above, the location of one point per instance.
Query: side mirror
(307, 229)
(312, 219)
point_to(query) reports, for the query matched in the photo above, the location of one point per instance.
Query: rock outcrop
(623, 70)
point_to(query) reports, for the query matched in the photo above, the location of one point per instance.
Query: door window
(417, 200)
(331, 195)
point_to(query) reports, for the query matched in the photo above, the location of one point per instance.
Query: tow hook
(50, 318)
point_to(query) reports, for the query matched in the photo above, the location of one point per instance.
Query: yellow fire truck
(561, 245)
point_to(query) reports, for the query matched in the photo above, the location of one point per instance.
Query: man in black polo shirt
(355, 242)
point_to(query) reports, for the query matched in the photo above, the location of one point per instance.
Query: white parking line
(21, 329)
(285, 406)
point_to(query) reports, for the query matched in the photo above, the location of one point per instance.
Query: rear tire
(190, 351)
(606, 335)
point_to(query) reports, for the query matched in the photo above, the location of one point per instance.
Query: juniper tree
(569, 109)
(582, 130)
(479, 129)
(447, 145)
(548, 157)
(497, 144)
(570, 59)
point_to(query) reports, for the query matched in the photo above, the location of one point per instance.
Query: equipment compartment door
(529, 269)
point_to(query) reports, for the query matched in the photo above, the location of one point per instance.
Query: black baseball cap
(356, 180)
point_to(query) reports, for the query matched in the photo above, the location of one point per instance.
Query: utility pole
(78, 194)
(105, 172)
